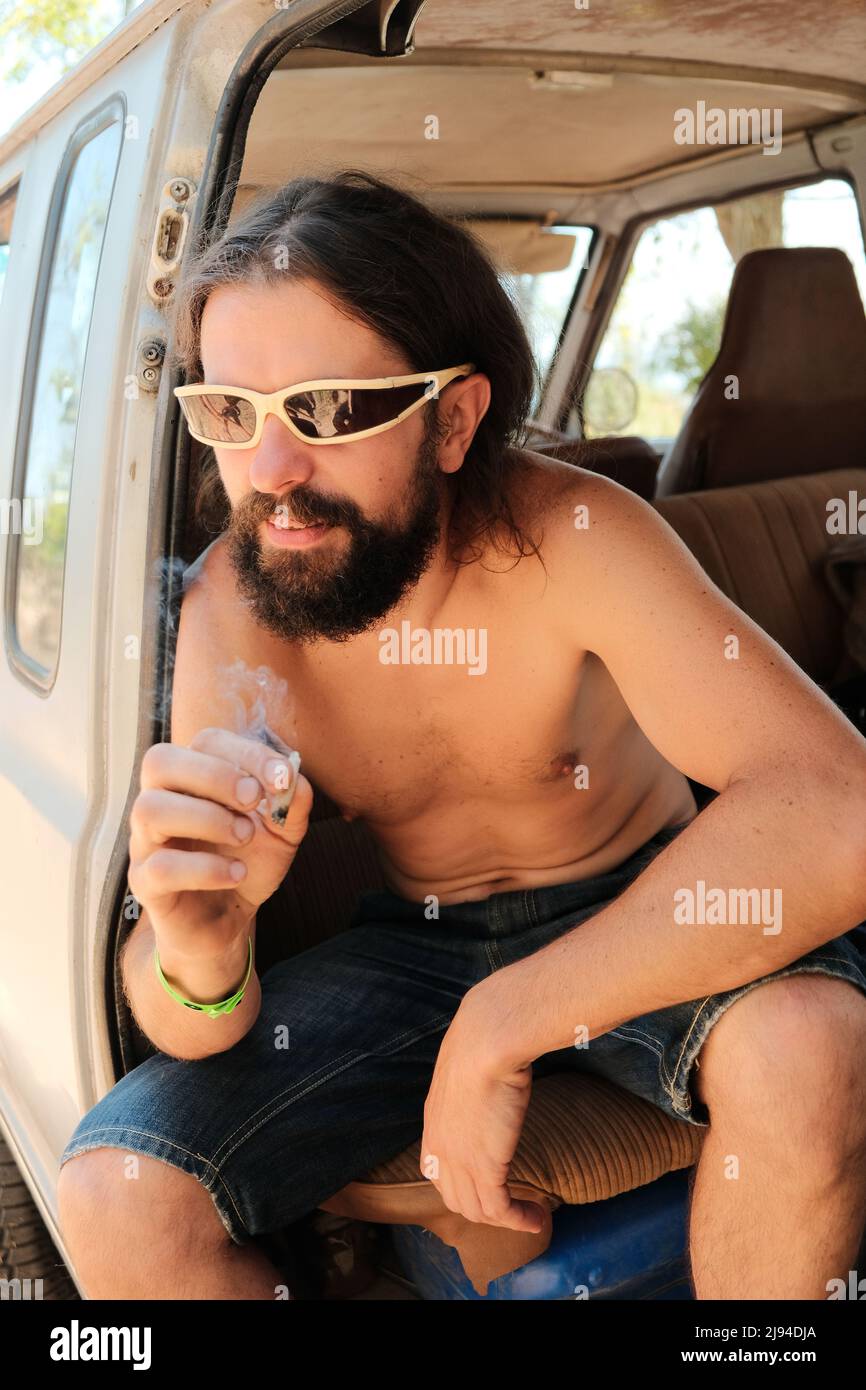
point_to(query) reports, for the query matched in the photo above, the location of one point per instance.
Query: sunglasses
(318, 412)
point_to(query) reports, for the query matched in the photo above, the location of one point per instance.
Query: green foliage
(51, 31)
(691, 347)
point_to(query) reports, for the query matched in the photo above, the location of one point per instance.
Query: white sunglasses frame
(272, 404)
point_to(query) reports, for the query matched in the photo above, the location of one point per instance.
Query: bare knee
(121, 1211)
(788, 1057)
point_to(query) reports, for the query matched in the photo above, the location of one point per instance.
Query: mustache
(302, 504)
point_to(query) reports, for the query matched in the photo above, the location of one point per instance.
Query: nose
(280, 459)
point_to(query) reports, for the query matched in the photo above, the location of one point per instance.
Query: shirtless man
(534, 818)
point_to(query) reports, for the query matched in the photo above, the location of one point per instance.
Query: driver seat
(786, 394)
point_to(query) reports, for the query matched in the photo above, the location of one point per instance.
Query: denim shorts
(332, 1078)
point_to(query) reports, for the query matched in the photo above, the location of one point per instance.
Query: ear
(462, 406)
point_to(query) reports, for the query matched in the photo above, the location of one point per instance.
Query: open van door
(104, 182)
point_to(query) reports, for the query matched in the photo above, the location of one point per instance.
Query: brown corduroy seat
(584, 1140)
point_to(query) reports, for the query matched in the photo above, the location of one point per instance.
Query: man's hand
(194, 822)
(473, 1118)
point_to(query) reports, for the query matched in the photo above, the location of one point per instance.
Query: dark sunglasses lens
(219, 418)
(327, 412)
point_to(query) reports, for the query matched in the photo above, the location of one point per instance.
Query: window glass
(544, 298)
(666, 326)
(56, 390)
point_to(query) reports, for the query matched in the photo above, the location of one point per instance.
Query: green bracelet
(224, 1006)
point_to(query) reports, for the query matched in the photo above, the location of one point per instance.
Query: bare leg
(779, 1196)
(154, 1236)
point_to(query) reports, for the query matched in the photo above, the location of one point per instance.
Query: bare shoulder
(538, 482)
(610, 559)
(210, 597)
(564, 503)
(215, 630)
(209, 576)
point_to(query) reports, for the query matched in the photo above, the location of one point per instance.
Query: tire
(26, 1249)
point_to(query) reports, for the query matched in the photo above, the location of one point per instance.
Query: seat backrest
(786, 394)
(765, 546)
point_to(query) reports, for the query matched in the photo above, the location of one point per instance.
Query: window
(7, 213)
(540, 267)
(53, 376)
(666, 325)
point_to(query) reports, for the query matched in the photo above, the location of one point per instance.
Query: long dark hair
(423, 283)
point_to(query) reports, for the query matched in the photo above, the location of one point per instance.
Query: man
(525, 778)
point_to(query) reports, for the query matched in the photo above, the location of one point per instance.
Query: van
(677, 206)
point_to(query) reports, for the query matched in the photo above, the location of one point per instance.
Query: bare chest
(388, 738)
(494, 705)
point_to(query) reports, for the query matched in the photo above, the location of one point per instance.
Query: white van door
(101, 184)
(72, 422)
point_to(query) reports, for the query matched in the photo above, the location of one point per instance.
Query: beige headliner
(812, 48)
(494, 127)
(472, 65)
(822, 37)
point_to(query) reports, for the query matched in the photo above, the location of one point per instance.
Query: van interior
(652, 276)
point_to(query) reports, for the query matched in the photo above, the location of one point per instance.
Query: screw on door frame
(180, 190)
(150, 357)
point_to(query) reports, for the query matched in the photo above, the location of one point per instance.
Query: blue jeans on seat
(271, 1131)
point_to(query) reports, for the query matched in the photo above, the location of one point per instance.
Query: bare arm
(740, 717)
(183, 844)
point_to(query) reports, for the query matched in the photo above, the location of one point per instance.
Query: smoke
(260, 699)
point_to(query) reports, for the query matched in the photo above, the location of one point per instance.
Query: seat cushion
(584, 1140)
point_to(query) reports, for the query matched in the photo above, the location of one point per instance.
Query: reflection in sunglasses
(322, 413)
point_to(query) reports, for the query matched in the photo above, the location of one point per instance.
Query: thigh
(330, 1080)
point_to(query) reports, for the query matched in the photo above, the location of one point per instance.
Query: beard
(305, 596)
